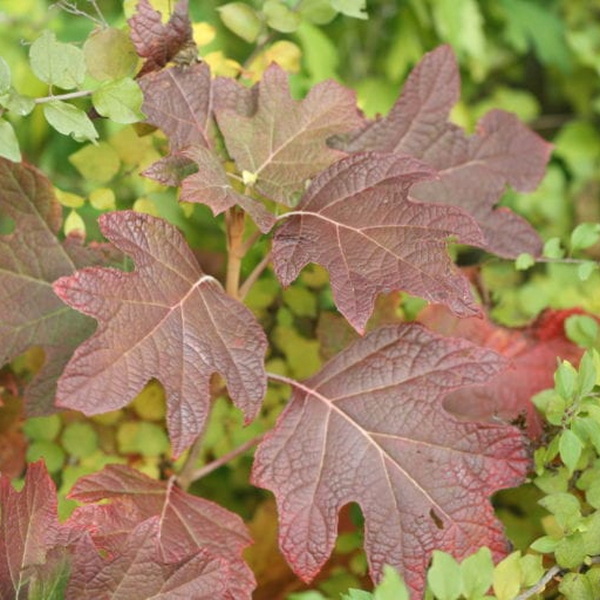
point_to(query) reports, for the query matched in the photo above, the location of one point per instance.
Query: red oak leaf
(532, 352)
(165, 320)
(283, 143)
(370, 428)
(29, 527)
(473, 171)
(31, 259)
(156, 42)
(357, 221)
(183, 528)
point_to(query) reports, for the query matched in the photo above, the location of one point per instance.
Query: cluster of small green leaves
(250, 24)
(103, 69)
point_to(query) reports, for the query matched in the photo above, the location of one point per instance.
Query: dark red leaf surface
(179, 527)
(473, 171)
(29, 527)
(159, 43)
(357, 221)
(370, 428)
(283, 143)
(31, 259)
(532, 352)
(165, 320)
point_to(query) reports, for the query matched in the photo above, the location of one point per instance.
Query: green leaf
(351, 595)
(391, 587)
(477, 572)
(9, 144)
(109, 54)
(587, 371)
(52, 453)
(351, 8)
(524, 261)
(584, 236)
(532, 569)
(121, 101)
(545, 544)
(565, 508)
(98, 163)
(565, 379)
(280, 17)
(5, 78)
(241, 19)
(318, 12)
(16, 103)
(79, 439)
(570, 551)
(585, 269)
(553, 248)
(56, 63)
(443, 576)
(69, 120)
(570, 447)
(507, 577)
(578, 586)
(147, 439)
(582, 329)
(42, 428)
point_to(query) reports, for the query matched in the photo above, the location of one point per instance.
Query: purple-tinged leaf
(211, 186)
(283, 143)
(370, 428)
(357, 221)
(180, 102)
(166, 320)
(156, 42)
(187, 524)
(31, 259)
(473, 171)
(29, 527)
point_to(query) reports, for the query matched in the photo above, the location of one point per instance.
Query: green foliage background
(537, 58)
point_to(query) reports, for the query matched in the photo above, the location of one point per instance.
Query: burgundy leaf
(532, 352)
(473, 171)
(283, 143)
(357, 221)
(211, 186)
(171, 170)
(29, 527)
(180, 102)
(156, 42)
(31, 259)
(166, 320)
(187, 524)
(370, 428)
(138, 573)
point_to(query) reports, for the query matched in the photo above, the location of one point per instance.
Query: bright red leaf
(370, 428)
(159, 43)
(165, 320)
(532, 352)
(31, 259)
(357, 221)
(283, 143)
(473, 171)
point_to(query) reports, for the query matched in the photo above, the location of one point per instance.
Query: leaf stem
(186, 475)
(256, 273)
(223, 460)
(234, 222)
(69, 96)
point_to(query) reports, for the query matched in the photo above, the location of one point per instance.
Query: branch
(234, 221)
(541, 584)
(69, 96)
(186, 475)
(256, 273)
(223, 460)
